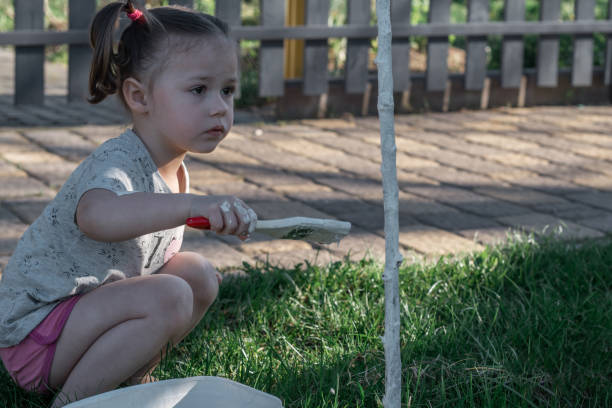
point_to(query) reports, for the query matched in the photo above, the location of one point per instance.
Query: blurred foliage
(458, 14)
(249, 75)
(7, 15)
(532, 13)
(337, 46)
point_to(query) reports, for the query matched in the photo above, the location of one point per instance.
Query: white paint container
(189, 392)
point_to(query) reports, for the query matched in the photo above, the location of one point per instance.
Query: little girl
(97, 288)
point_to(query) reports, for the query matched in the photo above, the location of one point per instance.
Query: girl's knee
(202, 277)
(174, 300)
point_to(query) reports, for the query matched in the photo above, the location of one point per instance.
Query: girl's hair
(140, 43)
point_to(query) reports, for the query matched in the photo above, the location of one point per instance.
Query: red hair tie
(135, 15)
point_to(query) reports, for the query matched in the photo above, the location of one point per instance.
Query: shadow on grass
(525, 324)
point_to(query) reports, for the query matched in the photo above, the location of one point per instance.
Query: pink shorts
(29, 362)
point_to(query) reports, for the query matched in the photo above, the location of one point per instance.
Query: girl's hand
(227, 214)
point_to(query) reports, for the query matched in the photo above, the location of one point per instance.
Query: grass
(527, 324)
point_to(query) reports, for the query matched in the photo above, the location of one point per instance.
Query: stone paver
(221, 254)
(597, 199)
(603, 222)
(46, 167)
(11, 229)
(3, 261)
(27, 209)
(359, 244)
(435, 241)
(16, 186)
(466, 179)
(282, 208)
(66, 144)
(537, 223)
(13, 141)
(462, 185)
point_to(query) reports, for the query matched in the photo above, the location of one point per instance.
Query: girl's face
(192, 103)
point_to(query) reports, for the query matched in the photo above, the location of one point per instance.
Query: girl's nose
(219, 106)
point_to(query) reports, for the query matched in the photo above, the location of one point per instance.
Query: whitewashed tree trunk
(393, 258)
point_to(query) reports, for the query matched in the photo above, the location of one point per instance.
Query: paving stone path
(466, 179)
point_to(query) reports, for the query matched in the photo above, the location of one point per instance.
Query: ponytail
(106, 65)
(139, 42)
(103, 73)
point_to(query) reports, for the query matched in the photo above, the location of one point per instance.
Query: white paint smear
(225, 206)
(247, 215)
(242, 211)
(252, 220)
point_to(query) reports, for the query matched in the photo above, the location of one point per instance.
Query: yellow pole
(294, 49)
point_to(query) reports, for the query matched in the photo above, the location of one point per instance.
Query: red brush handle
(198, 222)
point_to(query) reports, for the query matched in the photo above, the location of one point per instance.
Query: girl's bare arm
(104, 216)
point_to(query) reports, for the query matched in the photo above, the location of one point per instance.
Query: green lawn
(523, 325)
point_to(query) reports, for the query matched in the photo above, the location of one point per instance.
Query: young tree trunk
(393, 259)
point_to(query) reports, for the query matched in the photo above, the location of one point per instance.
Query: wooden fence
(29, 39)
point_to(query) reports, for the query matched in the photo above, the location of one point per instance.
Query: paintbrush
(319, 230)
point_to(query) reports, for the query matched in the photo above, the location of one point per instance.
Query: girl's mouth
(217, 131)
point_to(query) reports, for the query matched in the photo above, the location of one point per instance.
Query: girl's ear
(135, 95)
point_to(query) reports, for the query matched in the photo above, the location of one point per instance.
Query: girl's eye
(228, 90)
(198, 90)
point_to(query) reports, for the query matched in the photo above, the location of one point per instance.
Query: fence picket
(476, 62)
(29, 60)
(357, 50)
(582, 64)
(228, 11)
(437, 47)
(29, 39)
(271, 57)
(315, 51)
(548, 46)
(184, 3)
(400, 47)
(608, 63)
(80, 13)
(512, 47)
